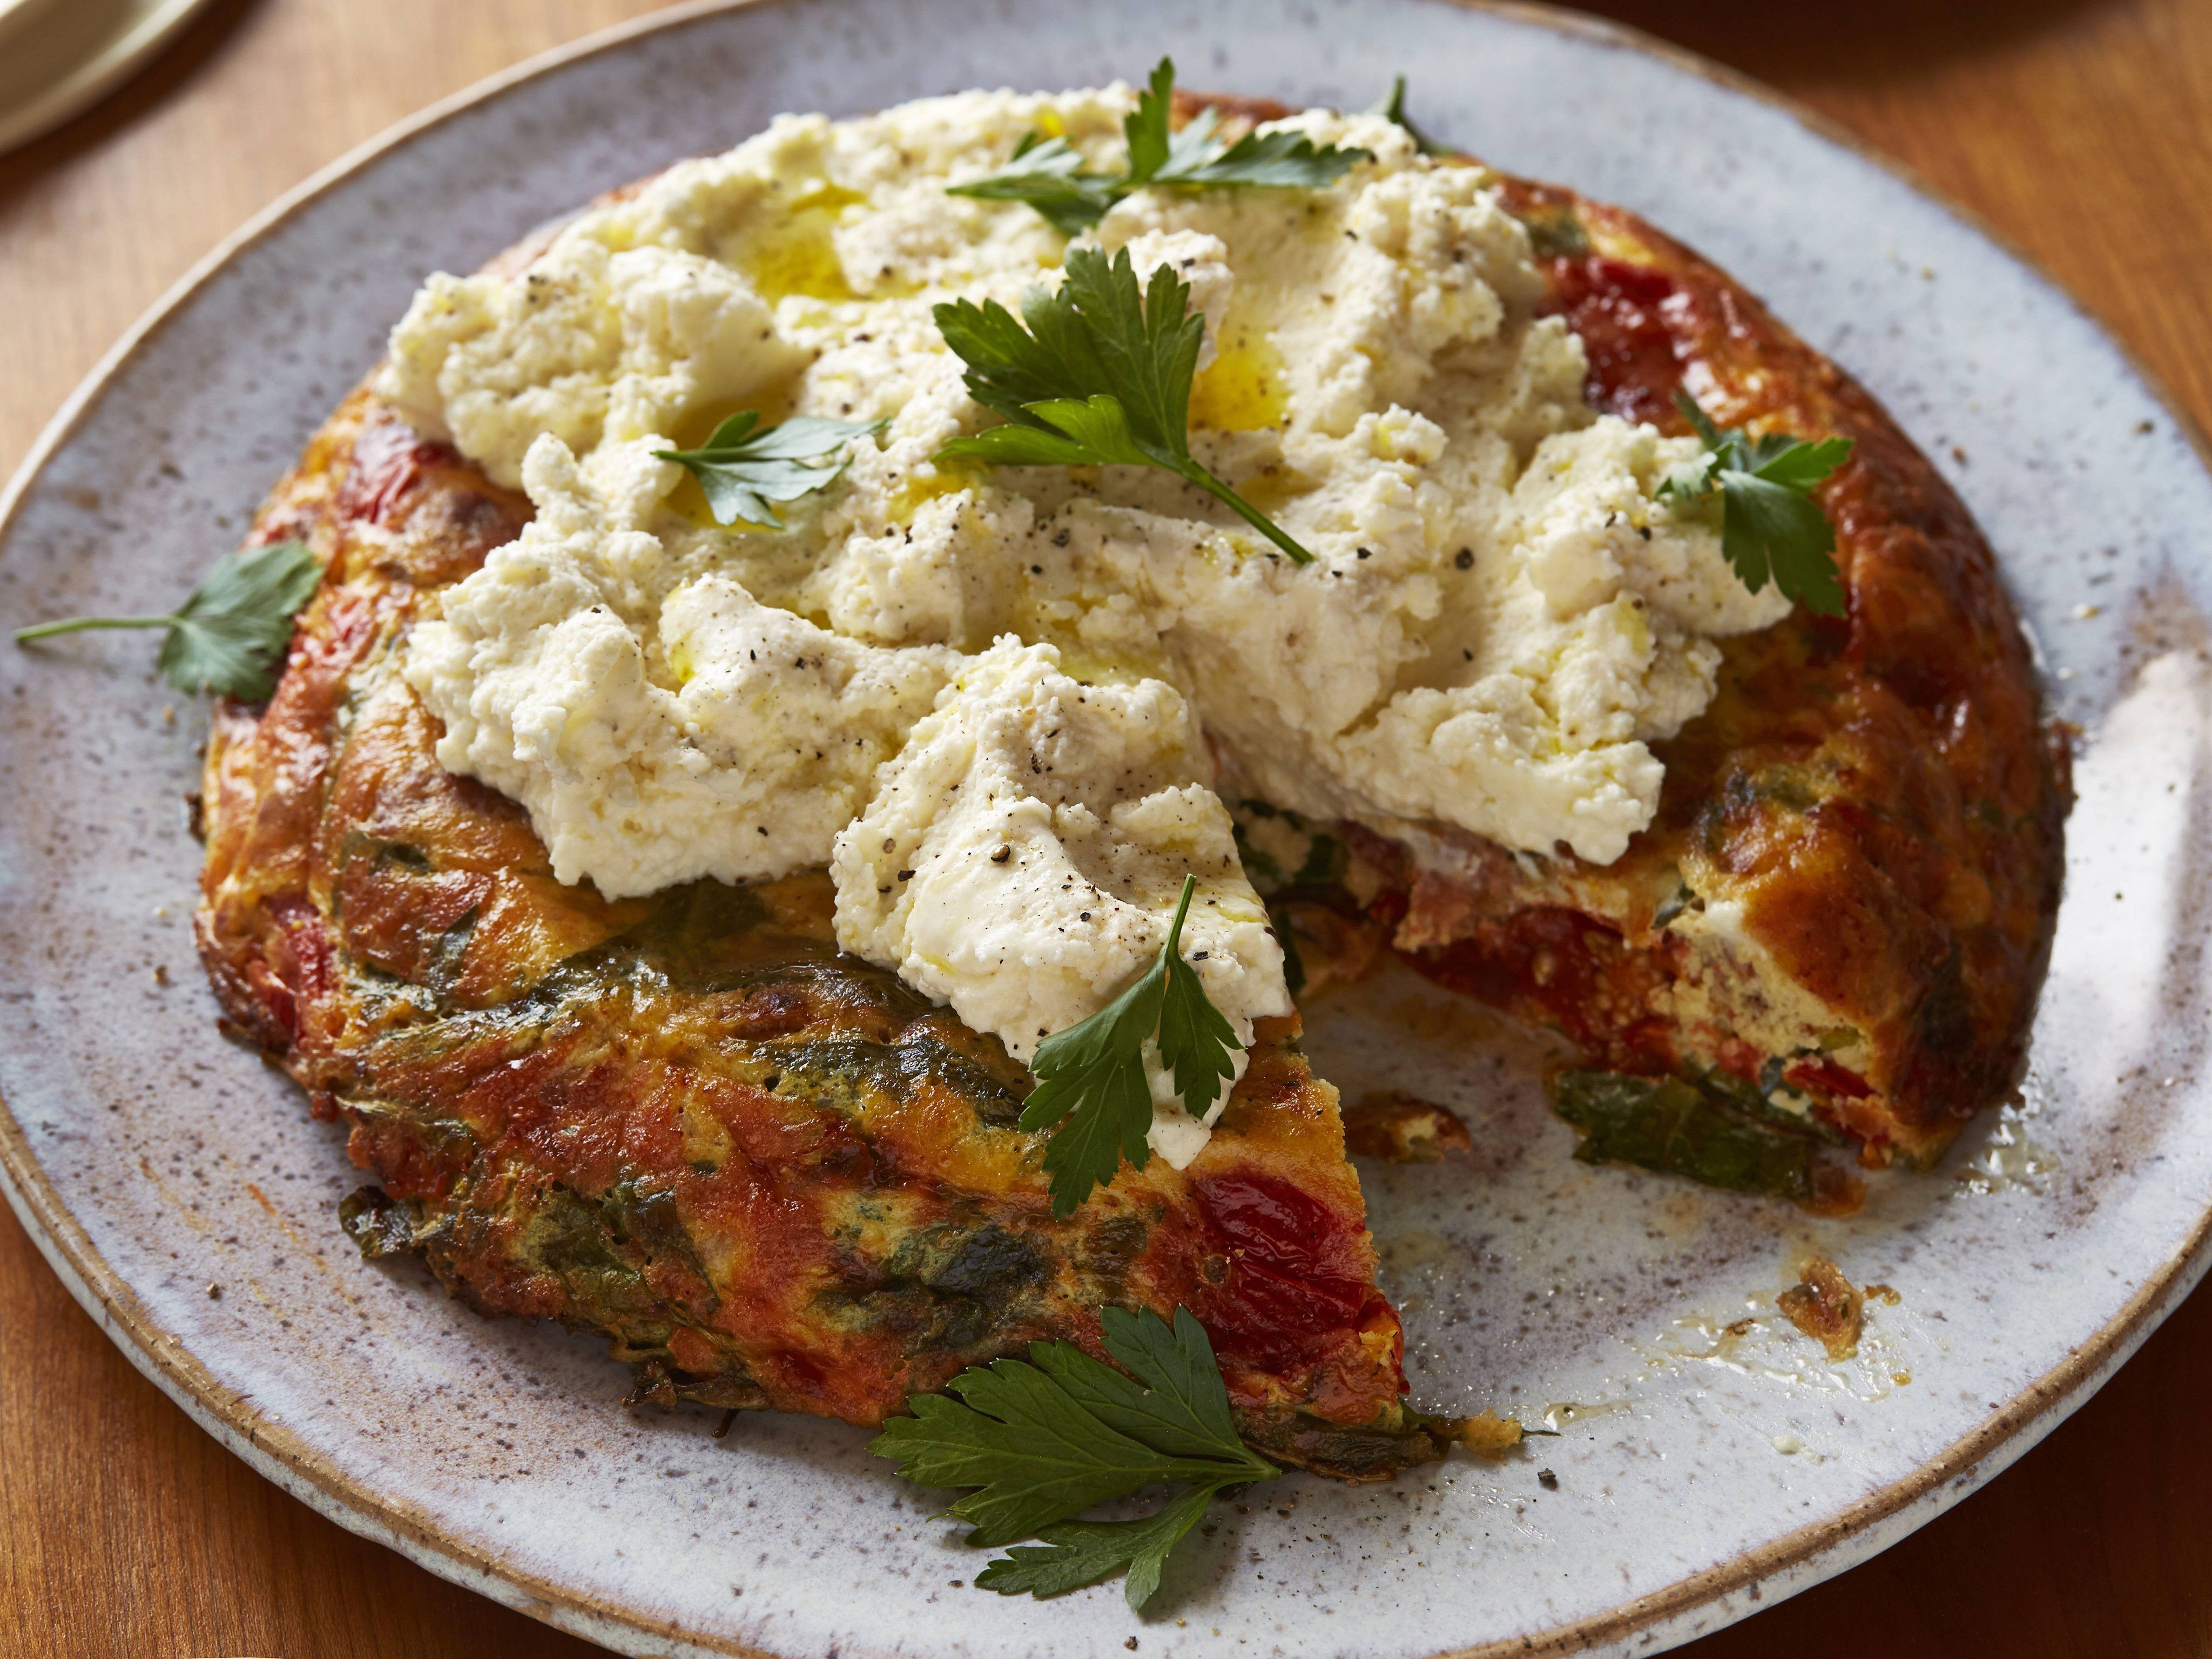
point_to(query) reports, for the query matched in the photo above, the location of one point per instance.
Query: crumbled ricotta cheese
(1500, 618)
(586, 345)
(736, 747)
(1022, 855)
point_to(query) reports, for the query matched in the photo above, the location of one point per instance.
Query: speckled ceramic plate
(1709, 1458)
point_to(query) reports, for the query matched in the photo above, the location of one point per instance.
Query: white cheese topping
(1023, 856)
(587, 344)
(657, 729)
(1499, 619)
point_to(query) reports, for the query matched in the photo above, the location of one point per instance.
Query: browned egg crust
(769, 1172)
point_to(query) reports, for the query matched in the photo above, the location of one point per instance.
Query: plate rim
(1797, 1560)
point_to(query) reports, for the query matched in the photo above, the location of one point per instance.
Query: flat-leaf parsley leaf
(1052, 178)
(1770, 524)
(229, 636)
(741, 471)
(1044, 1439)
(1100, 377)
(1092, 1074)
(1073, 1553)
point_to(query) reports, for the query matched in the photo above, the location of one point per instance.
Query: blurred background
(2079, 129)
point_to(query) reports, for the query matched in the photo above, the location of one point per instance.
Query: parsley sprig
(1770, 524)
(1044, 1439)
(1092, 1074)
(741, 471)
(1052, 178)
(229, 636)
(1100, 377)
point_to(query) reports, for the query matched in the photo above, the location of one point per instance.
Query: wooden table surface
(2082, 131)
